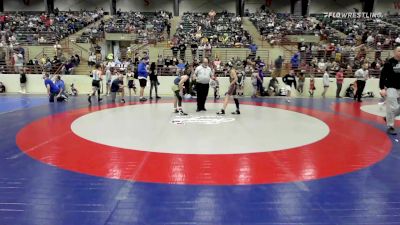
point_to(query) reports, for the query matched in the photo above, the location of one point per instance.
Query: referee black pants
(360, 89)
(202, 93)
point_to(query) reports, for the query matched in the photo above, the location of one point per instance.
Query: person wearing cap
(389, 84)
(233, 79)
(202, 75)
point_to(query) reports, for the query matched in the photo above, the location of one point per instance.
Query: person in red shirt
(339, 82)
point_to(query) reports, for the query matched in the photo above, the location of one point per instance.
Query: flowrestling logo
(353, 15)
(207, 120)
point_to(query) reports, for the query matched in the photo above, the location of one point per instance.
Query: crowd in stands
(147, 25)
(202, 30)
(375, 33)
(42, 28)
(275, 26)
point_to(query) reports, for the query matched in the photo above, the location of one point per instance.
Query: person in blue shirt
(295, 61)
(142, 76)
(253, 51)
(52, 89)
(60, 84)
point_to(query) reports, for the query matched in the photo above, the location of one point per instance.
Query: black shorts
(131, 84)
(96, 83)
(143, 82)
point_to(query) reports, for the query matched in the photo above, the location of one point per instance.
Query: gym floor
(308, 162)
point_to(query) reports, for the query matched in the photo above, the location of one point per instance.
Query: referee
(389, 84)
(202, 74)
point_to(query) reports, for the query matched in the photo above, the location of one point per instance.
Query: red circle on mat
(350, 146)
(354, 109)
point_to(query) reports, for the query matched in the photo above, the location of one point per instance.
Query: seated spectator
(61, 86)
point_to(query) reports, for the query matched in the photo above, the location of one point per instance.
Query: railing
(224, 54)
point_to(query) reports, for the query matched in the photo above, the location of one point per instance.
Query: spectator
(142, 75)
(325, 81)
(153, 80)
(295, 61)
(339, 82)
(52, 89)
(289, 80)
(62, 96)
(2, 88)
(22, 81)
(278, 66)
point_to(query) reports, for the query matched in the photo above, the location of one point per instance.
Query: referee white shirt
(361, 74)
(203, 74)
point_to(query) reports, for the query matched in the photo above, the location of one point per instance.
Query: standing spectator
(312, 86)
(389, 84)
(208, 49)
(169, 30)
(194, 48)
(325, 81)
(202, 74)
(295, 61)
(253, 51)
(108, 80)
(153, 80)
(182, 50)
(361, 75)
(300, 86)
(22, 81)
(91, 60)
(142, 76)
(175, 51)
(289, 80)
(278, 66)
(339, 82)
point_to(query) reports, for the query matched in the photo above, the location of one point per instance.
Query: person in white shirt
(322, 65)
(362, 76)
(202, 74)
(397, 40)
(325, 81)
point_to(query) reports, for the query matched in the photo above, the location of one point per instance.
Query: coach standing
(202, 74)
(389, 84)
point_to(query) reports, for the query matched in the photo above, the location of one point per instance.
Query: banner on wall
(353, 15)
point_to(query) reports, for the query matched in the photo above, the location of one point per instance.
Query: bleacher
(37, 28)
(225, 31)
